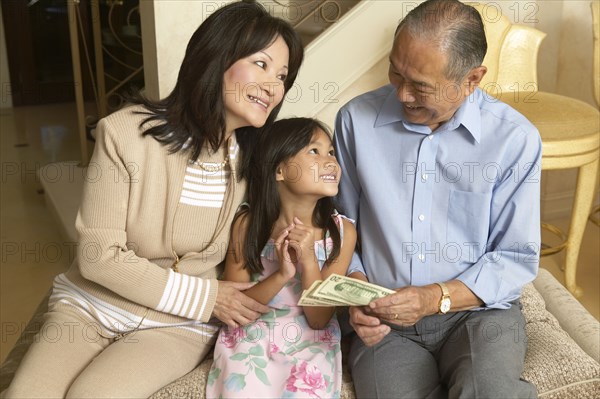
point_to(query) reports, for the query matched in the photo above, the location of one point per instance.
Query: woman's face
(253, 86)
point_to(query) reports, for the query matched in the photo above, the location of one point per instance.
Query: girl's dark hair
(278, 143)
(195, 108)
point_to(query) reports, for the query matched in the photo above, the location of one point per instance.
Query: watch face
(445, 305)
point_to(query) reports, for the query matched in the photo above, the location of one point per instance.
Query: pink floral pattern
(329, 336)
(273, 348)
(231, 337)
(308, 379)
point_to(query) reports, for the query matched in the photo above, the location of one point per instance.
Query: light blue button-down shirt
(461, 202)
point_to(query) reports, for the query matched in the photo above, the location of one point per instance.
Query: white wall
(565, 63)
(5, 92)
(167, 26)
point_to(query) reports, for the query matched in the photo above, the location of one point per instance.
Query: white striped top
(207, 189)
(112, 319)
(202, 188)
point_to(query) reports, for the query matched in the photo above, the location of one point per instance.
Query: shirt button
(430, 137)
(421, 257)
(421, 217)
(424, 177)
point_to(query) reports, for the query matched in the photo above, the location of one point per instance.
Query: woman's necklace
(212, 167)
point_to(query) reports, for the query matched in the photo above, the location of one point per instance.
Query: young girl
(288, 238)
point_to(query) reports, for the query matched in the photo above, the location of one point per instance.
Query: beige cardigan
(130, 223)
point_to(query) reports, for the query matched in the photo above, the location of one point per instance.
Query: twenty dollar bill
(339, 290)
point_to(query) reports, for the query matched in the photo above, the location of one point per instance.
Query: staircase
(345, 56)
(309, 18)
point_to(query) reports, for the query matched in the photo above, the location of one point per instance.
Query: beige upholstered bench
(562, 358)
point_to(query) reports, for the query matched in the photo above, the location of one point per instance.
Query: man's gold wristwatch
(445, 303)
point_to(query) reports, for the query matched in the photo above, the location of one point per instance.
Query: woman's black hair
(195, 108)
(278, 143)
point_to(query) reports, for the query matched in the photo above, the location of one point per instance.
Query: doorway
(39, 51)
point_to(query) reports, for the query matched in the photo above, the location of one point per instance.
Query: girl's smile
(313, 171)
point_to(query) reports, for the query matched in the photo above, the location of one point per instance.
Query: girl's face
(253, 86)
(312, 171)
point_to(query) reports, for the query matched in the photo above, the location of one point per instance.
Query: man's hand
(407, 305)
(368, 328)
(233, 307)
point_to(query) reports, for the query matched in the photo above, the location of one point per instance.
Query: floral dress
(279, 355)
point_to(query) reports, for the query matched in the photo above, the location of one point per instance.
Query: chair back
(596, 28)
(512, 52)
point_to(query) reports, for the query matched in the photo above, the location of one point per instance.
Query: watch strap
(444, 299)
(445, 291)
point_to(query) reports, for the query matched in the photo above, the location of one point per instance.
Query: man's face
(417, 71)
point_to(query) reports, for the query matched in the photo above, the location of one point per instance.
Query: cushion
(571, 314)
(11, 363)
(567, 126)
(557, 366)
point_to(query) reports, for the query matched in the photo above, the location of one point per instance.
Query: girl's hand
(302, 240)
(286, 267)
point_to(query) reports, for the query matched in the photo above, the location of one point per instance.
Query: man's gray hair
(457, 30)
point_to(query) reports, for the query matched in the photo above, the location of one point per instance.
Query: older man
(444, 184)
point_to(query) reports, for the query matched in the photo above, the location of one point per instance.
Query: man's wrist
(435, 295)
(444, 302)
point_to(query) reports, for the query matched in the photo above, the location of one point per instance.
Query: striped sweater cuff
(188, 296)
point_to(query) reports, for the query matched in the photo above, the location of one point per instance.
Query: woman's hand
(233, 307)
(302, 240)
(287, 269)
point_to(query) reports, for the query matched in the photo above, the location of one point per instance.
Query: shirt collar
(467, 115)
(390, 111)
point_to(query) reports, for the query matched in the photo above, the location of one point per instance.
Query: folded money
(339, 290)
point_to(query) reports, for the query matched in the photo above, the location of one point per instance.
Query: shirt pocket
(468, 223)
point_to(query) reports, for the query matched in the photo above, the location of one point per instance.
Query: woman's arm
(266, 289)
(318, 316)
(107, 253)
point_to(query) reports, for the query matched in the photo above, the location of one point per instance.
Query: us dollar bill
(339, 290)
(308, 298)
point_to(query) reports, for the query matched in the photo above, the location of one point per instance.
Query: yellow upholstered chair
(570, 129)
(596, 29)
(594, 217)
(511, 58)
